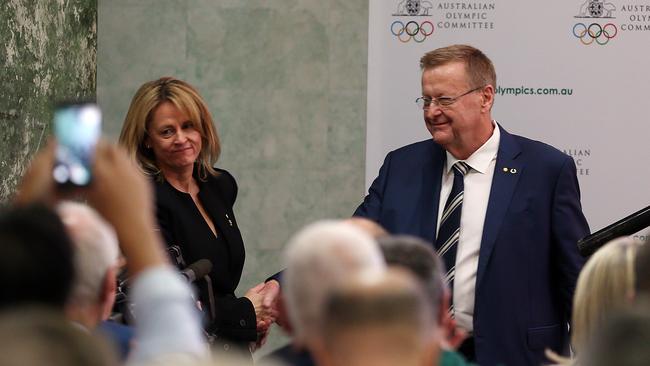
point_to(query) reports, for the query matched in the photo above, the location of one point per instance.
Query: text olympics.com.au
(522, 90)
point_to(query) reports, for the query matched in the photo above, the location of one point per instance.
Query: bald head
(377, 321)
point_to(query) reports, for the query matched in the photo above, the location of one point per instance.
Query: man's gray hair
(417, 256)
(95, 249)
(319, 258)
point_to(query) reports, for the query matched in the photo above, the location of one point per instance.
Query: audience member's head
(96, 253)
(36, 262)
(605, 285)
(623, 340)
(380, 321)
(319, 258)
(368, 226)
(642, 266)
(417, 256)
(33, 336)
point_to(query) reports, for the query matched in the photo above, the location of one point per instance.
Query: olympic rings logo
(411, 30)
(595, 32)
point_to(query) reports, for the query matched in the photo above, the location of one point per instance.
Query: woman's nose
(180, 135)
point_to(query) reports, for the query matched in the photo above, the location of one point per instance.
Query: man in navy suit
(513, 261)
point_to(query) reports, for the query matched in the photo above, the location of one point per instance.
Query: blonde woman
(169, 131)
(606, 285)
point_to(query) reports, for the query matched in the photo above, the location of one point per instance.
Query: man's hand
(272, 292)
(122, 194)
(452, 335)
(283, 317)
(263, 298)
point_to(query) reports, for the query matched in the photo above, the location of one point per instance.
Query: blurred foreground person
(167, 324)
(379, 321)
(416, 256)
(605, 286)
(36, 336)
(368, 226)
(643, 270)
(318, 258)
(169, 131)
(96, 256)
(623, 340)
(36, 266)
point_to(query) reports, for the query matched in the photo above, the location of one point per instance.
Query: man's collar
(481, 158)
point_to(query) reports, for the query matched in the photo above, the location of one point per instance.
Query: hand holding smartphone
(77, 128)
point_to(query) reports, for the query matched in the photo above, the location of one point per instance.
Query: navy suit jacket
(528, 260)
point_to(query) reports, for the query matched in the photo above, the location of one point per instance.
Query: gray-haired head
(319, 258)
(417, 256)
(95, 250)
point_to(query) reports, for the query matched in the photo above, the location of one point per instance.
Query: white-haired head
(96, 250)
(318, 259)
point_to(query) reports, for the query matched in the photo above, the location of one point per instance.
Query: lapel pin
(513, 171)
(505, 170)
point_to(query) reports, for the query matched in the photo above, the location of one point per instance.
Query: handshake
(265, 298)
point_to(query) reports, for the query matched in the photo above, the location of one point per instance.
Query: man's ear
(443, 312)
(107, 293)
(487, 94)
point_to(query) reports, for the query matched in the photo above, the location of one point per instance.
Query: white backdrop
(590, 95)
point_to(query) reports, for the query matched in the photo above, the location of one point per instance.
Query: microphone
(197, 270)
(626, 226)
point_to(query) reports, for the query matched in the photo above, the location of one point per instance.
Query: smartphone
(77, 127)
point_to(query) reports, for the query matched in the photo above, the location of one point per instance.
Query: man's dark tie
(449, 231)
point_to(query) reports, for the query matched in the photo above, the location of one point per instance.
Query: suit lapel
(431, 181)
(506, 176)
(217, 209)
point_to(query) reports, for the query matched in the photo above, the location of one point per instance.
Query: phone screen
(77, 127)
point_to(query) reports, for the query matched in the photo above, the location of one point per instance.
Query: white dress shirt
(168, 328)
(477, 184)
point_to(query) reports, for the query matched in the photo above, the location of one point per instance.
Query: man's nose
(433, 111)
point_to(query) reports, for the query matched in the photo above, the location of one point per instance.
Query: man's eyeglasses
(426, 102)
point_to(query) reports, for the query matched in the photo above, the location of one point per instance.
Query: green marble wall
(47, 53)
(286, 82)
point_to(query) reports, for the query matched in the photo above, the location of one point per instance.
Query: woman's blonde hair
(606, 284)
(185, 98)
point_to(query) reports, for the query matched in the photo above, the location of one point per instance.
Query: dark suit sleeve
(371, 206)
(568, 226)
(235, 318)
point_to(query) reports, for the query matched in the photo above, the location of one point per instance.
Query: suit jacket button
(242, 323)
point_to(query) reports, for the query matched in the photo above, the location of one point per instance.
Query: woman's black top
(182, 225)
